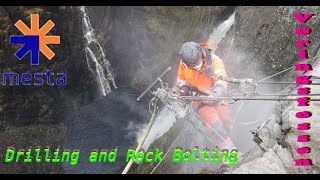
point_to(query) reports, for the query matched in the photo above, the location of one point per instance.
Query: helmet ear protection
(204, 53)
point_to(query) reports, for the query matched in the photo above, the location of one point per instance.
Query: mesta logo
(35, 40)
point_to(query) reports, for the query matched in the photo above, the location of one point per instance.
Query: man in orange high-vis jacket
(199, 72)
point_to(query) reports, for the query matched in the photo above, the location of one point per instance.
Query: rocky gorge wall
(270, 42)
(261, 42)
(141, 42)
(34, 116)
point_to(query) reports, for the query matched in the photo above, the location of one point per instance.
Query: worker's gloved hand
(218, 91)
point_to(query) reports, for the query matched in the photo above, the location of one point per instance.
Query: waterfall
(97, 62)
(220, 32)
(166, 119)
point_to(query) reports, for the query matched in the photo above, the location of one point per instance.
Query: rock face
(269, 163)
(144, 41)
(38, 113)
(141, 42)
(47, 103)
(260, 43)
(277, 140)
(269, 42)
(263, 39)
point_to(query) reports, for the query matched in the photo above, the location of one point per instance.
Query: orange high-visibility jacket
(197, 79)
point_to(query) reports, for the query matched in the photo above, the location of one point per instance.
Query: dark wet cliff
(34, 116)
(260, 43)
(140, 43)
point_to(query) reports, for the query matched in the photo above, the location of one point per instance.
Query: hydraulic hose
(153, 117)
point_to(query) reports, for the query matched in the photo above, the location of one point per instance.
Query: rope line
(279, 72)
(153, 117)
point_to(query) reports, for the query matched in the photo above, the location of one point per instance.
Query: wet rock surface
(277, 138)
(262, 38)
(144, 41)
(141, 42)
(46, 104)
(34, 116)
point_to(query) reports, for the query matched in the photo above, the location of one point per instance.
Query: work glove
(218, 91)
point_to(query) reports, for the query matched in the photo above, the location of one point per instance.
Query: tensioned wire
(238, 111)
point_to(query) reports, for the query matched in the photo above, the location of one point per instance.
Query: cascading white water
(96, 59)
(220, 32)
(166, 119)
(243, 118)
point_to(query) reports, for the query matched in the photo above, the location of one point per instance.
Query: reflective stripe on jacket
(198, 80)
